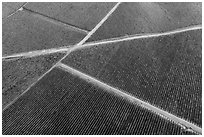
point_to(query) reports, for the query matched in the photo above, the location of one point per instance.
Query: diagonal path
(183, 123)
(141, 36)
(69, 51)
(55, 21)
(106, 41)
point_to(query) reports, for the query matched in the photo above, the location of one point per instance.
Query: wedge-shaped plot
(84, 15)
(25, 32)
(164, 71)
(145, 17)
(61, 103)
(92, 60)
(18, 75)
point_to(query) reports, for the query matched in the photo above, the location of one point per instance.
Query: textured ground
(164, 71)
(40, 98)
(9, 8)
(64, 104)
(18, 75)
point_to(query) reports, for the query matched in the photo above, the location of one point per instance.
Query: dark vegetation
(61, 103)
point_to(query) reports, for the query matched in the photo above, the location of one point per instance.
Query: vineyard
(88, 68)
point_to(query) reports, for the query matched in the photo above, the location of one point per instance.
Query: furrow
(55, 21)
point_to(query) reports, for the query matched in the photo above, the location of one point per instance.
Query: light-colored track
(140, 36)
(183, 123)
(36, 53)
(95, 43)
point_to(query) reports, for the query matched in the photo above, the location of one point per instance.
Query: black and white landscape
(101, 68)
